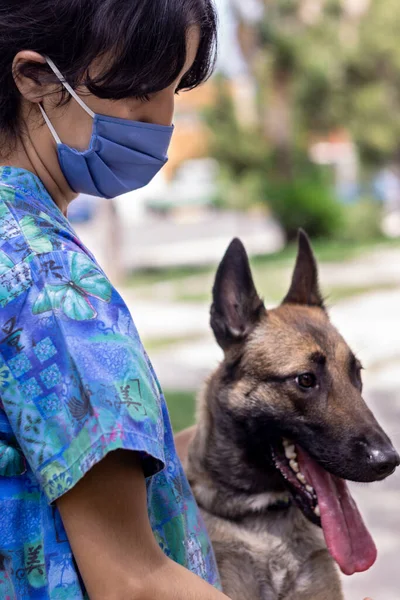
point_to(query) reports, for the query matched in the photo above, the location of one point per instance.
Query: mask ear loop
(79, 100)
(73, 94)
(49, 125)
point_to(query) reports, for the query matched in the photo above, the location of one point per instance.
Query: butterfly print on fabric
(72, 296)
(38, 240)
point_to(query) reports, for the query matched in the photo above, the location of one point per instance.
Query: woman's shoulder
(37, 242)
(30, 223)
(40, 250)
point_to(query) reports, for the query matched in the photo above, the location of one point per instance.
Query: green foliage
(362, 221)
(333, 70)
(251, 175)
(239, 148)
(181, 407)
(241, 192)
(343, 71)
(372, 83)
(306, 202)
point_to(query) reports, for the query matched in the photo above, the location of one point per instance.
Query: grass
(326, 251)
(155, 344)
(329, 251)
(157, 275)
(181, 406)
(272, 274)
(343, 292)
(273, 282)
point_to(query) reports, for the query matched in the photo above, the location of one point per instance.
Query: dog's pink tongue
(347, 538)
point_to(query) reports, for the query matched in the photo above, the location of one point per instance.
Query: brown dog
(281, 426)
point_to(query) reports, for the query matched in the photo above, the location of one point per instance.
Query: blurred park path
(197, 238)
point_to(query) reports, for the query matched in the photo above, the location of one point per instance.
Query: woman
(93, 499)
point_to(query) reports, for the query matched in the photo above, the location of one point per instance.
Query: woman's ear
(28, 85)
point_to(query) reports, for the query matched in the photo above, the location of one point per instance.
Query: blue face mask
(122, 156)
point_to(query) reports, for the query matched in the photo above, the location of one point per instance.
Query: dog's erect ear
(304, 288)
(236, 307)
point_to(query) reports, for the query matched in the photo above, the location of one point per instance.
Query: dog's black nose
(383, 461)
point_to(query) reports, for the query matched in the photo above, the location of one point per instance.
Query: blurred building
(190, 139)
(339, 151)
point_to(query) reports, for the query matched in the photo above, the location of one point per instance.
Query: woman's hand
(106, 520)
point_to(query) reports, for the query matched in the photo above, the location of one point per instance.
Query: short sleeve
(75, 382)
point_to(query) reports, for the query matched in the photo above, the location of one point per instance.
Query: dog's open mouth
(327, 502)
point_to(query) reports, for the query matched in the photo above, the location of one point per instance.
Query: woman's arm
(105, 516)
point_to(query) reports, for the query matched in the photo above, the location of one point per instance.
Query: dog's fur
(265, 547)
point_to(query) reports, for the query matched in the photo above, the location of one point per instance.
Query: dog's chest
(277, 560)
(275, 555)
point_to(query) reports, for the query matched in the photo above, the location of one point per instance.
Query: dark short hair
(143, 43)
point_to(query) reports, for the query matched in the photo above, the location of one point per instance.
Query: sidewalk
(160, 242)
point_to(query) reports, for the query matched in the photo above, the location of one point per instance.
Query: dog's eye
(306, 381)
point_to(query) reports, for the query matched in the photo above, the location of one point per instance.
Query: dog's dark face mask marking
(290, 394)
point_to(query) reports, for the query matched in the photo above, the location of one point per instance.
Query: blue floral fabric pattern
(75, 384)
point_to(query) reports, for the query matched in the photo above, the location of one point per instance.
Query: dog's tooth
(309, 488)
(301, 478)
(294, 465)
(290, 452)
(317, 511)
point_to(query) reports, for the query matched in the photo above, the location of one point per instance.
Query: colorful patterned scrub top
(75, 384)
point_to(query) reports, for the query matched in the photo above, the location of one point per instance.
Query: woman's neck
(27, 153)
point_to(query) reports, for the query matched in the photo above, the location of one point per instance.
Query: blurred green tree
(325, 64)
(318, 66)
